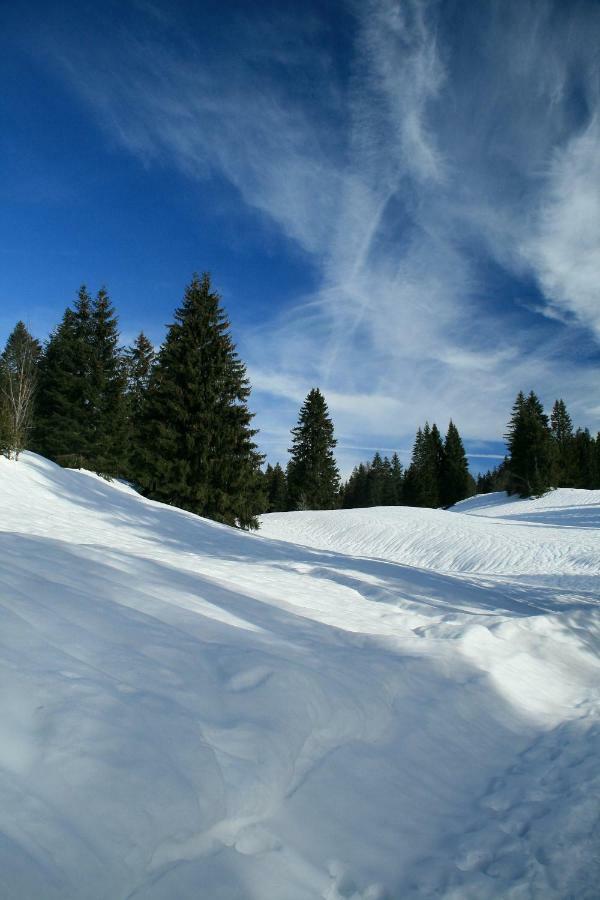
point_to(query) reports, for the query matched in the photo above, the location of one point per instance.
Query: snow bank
(363, 704)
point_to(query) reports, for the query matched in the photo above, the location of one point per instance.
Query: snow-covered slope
(389, 703)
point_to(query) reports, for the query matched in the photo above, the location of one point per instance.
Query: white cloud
(565, 250)
(388, 181)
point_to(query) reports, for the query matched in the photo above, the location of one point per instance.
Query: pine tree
(276, 489)
(18, 381)
(412, 495)
(563, 462)
(198, 451)
(355, 491)
(81, 412)
(530, 447)
(584, 457)
(313, 477)
(107, 439)
(376, 482)
(398, 479)
(139, 361)
(63, 413)
(454, 470)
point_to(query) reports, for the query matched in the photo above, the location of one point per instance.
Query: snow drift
(367, 704)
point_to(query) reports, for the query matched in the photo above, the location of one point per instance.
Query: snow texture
(352, 705)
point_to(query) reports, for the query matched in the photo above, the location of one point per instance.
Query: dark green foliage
(139, 361)
(312, 474)
(529, 447)
(198, 449)
(495, 479)
(18, 382)
(378, 483)
(585, 459)
(376, 478)
(276, 489)
(355, 493)
(454, 482)
(108, 437)
(81, 412)
(564, 468)
(397, 479)
(422, 485)
(62, 428)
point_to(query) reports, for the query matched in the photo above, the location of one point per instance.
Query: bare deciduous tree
(18, 377)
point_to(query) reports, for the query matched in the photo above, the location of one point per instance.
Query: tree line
(175, 422)
(543, 452)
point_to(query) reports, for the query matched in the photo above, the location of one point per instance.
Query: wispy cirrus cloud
(438, 148)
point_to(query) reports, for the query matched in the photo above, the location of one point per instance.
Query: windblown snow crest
(367, 704)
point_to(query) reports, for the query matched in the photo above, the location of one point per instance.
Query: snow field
(361, 704)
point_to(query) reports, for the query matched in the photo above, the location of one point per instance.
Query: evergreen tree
(412, 495)
(140, 360)
(584, 456)
(81, 413)
(376, 482)
(62, 427)
(563, 462)
(355, 492)
(18, 381)
(107, 438)
(454, 469)
(198, 451)
(398, 479)
(529, 446)
(389, 494)
(313, 477)
(276, 489)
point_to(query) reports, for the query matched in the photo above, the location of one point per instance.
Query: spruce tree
(355, 491)
(530, 447)
(62, 429)
(18, 382)
(412, 476)
(276, 489)
(313, 477)
(107, 439)
(139, 361)
(455, 469)
(376, 482)
(584, 456)
(398, 479)
(81, 413)
(198, 451)
(563, 462)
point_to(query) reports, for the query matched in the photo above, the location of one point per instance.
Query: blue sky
(398, 201)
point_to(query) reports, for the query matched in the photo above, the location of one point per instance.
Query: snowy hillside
(366, 704)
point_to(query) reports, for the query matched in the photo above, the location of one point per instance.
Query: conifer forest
(175, 421)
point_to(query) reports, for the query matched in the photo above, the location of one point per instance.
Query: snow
(359, 704)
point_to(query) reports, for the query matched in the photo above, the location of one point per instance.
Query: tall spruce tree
(412, 495)
(584, 457)
(530, 447)
(62, 428)
(107, 441)
(276, 488)
(563, 456)
(355, 492)
(198, 448)
(139, 361)
(81, 414)
(454, 484)
(398, 478)
(312, 475)
(18, 382)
